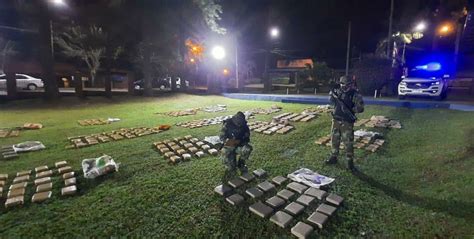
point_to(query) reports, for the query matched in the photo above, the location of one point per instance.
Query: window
(20, 77)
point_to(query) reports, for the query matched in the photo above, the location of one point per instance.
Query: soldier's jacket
(231, 131)
(352, 99)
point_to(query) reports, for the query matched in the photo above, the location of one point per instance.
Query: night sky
(315, 28)
(318, 29)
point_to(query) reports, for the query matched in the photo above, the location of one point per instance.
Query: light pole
(55, 3)
(274, 33)
(218, 53)
(348, 48)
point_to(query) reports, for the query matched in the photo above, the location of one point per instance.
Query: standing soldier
(346, 101)
(235, 135)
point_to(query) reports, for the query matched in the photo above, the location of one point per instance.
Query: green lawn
(421, 184)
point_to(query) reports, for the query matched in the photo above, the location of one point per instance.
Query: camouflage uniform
(342, 123)
(235, 134)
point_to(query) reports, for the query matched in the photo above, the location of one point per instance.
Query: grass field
(420, 184)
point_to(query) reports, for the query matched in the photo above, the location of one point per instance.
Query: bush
(372, 74)
(319, 75)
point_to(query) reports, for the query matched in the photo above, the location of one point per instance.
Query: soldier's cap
(344, 80)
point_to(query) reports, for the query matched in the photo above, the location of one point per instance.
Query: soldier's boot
(332, 159)
(242, 167)
(350, 165)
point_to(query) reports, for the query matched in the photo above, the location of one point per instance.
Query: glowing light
(420, 27)
(274, 32)
(445, 29)
(225, 71)
(218, 52)
(432, 66)
(192, 60)
(58, 2)
(195, 49)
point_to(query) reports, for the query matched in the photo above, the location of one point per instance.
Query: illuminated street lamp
(420, 27)
(274, 32)
(445, 29)
(225, 71)
(218, 52)
(58, 2)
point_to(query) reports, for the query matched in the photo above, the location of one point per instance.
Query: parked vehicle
(426, 80)
(23, 82)
(159, 83)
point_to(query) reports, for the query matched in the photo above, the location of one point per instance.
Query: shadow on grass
(455, 208)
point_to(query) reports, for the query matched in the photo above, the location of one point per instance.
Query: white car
(23, 82)
(420, 82)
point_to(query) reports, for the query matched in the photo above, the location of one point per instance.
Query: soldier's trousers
(344, 131)
(229, 157)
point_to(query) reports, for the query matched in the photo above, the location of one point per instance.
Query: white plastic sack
(113, 120)
(310, 178)
(214, 140)
(364, 133)
(28, 146)
(95, 167)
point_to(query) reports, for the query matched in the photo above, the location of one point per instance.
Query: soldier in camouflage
(346, 101)
(235, 135)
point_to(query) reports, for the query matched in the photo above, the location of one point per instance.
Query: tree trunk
(78, 85)
(173, 84)
(108, 75)
(46, 54)
(267, 83)
(147, 71)
(131, 79)
(11, 85)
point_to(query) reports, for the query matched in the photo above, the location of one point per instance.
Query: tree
(7, 49)
(165, 28)
(85, 43)
(211, 12)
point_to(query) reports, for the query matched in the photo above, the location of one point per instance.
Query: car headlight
(436, 83)
(403, 83)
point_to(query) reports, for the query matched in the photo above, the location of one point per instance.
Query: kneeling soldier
(235, 135)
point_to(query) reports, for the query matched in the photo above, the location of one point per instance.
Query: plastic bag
(95, 167)
(214, 140)
(111, 120)
(28, 146)
(365, 133)
(310, 178)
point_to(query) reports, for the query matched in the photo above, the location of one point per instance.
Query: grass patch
(419, 185)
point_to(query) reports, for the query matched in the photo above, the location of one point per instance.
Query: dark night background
(309, 28)
(318, 29)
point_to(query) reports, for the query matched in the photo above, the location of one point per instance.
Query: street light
(218, 52)
(58, 2)
(274, 32)
(225, 71)
(420, 27)
(445, 29)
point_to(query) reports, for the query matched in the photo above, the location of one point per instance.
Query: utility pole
(236, 64)
(389, 37)
(348, 48)
(459, 29)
